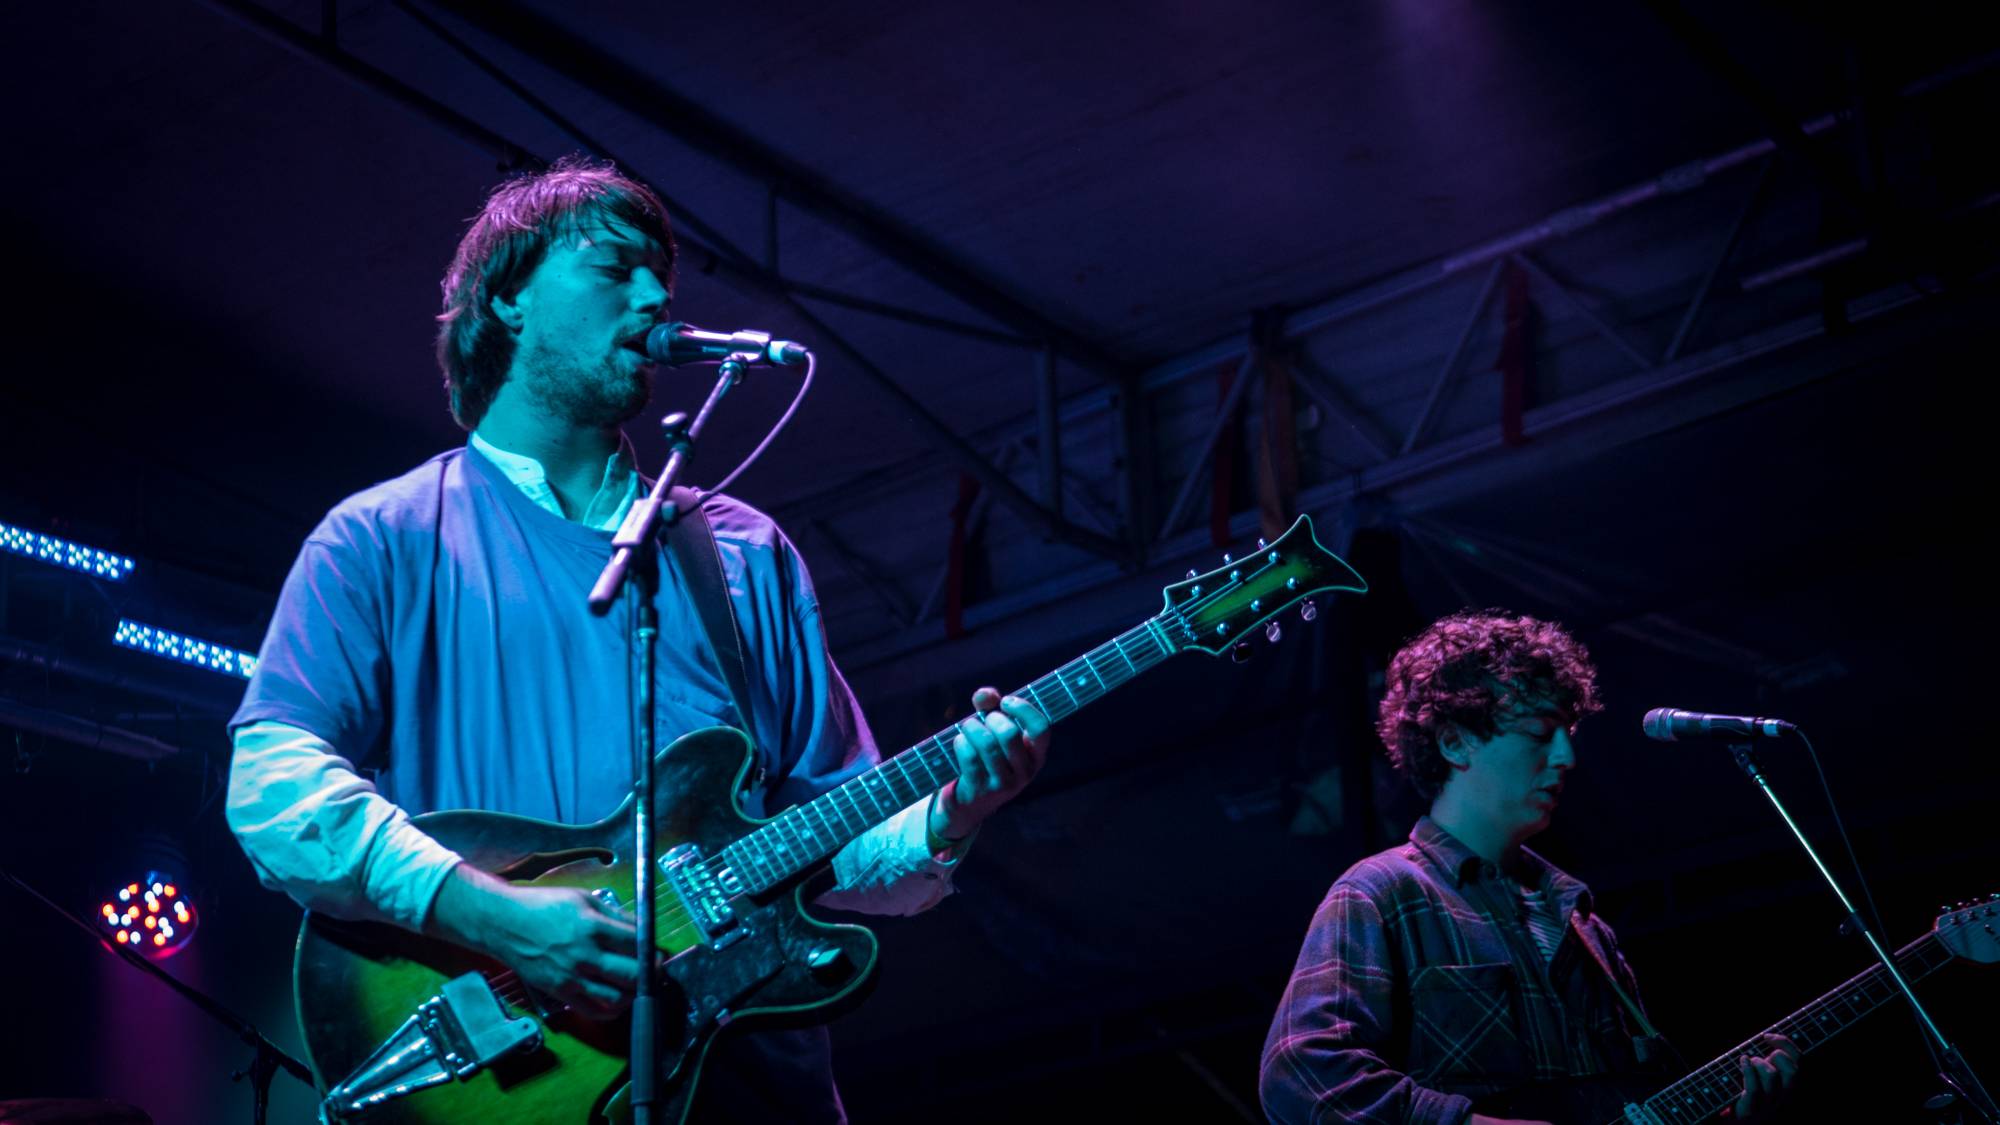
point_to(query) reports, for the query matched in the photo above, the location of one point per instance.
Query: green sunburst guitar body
(358, 983)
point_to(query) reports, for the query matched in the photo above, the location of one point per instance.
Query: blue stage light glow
(186, 649)
(63, 553)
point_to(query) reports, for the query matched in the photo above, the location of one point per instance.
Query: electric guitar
(408, 1029)
(1971, 932)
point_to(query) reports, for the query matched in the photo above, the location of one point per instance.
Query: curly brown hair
(1470, 672)
(499, 253)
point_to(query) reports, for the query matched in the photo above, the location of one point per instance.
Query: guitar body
(1575, 1101)
(357, 983)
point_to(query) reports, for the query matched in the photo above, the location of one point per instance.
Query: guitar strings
(507, 983)
(1721, 1072)
(1173, 616)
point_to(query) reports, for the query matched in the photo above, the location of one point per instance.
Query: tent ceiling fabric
(1143, 173)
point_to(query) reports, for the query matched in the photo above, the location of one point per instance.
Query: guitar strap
(692, 543)
(1649, 1038)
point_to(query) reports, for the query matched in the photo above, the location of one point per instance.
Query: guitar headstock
(1211, 612)
(1972, 930)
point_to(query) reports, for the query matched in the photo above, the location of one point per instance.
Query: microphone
(1668, 724)
(678, 343)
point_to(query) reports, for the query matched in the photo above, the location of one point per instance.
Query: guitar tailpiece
(453, 1035)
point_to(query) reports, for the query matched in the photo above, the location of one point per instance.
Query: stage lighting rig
(154, 915)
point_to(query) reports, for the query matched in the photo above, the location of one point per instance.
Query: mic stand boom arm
(634, 567)
(264, 1064)
(1952, 1068)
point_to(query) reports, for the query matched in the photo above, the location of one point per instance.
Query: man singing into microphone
(433, 633)
(1461, 965)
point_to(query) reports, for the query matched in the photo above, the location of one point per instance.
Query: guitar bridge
(453, 1035)
(701, 890)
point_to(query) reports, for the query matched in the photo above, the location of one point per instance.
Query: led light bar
(186, 649)
(63, 553)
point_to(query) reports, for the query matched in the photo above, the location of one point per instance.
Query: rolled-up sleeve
(890, 869)
(311, 825)
(318, 831)
(1323, 1057)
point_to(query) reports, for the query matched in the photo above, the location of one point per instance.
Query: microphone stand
(1952, 1069)
(635, 568)
(268, 1059)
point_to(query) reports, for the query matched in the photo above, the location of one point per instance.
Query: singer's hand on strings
(997, 751)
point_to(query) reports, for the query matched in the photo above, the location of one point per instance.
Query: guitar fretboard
(803, 835)
(1706, 1091)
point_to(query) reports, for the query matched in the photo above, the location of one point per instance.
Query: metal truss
(1651, 365)
(1628, 328)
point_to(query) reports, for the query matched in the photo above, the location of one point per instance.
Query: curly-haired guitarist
(1461, 966)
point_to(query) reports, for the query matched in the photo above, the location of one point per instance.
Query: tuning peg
(1308, 610)
(1241, 652)
(1273, 630)
(1261, 543)
(1226, 558)
(1191, 572)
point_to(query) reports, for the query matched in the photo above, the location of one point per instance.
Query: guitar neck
(1707, 1090)
(806, 834)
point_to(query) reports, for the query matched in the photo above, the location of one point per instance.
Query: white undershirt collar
(607, 508)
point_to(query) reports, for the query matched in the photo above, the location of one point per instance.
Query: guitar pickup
(454, 1035)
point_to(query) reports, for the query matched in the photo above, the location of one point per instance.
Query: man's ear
(511, 308)
(1452, 745)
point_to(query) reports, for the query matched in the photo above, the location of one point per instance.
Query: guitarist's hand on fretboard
(1767, 1078)
(998, 750)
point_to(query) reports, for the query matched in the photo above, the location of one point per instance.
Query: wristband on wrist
(933, 842)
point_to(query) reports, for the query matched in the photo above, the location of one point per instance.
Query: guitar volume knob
(829, 963)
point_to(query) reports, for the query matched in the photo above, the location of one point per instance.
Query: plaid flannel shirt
(1419, 989)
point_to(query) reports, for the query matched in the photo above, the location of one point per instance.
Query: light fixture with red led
(153, 915)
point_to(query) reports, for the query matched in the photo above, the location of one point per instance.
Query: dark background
(223, 265)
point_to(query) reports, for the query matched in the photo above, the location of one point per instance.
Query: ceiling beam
(951, 445)
(323, 51)
(636, 92)
(1090, 598)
